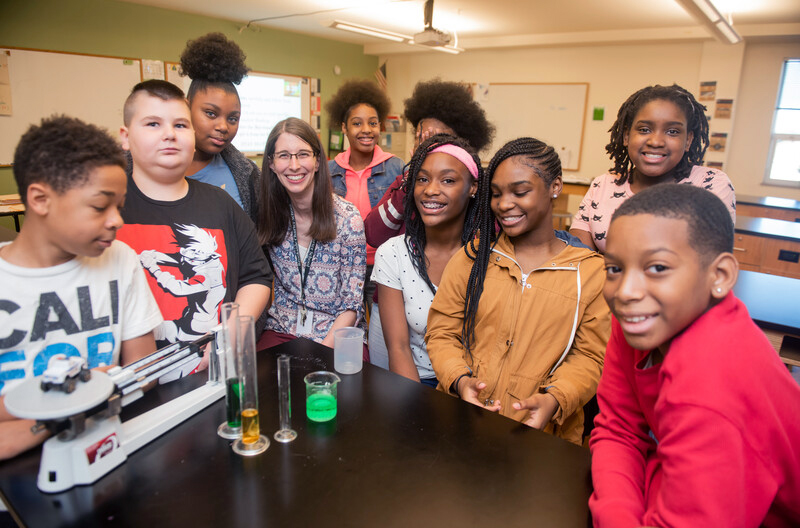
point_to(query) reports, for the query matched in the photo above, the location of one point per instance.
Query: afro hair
(355, 92)
(214, 59)
(61, 152)
(452, 104)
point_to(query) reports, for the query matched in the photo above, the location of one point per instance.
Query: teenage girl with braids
(442, 179)
(215, 65)
(519, 324)
(660, 135)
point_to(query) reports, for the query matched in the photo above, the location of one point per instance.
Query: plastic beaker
(321, 395)
(348, 350)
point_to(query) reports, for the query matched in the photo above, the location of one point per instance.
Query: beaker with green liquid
(321, 395)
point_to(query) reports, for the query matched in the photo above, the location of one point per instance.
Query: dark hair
(708, 221)
(415, 229)
(61, 152)
(273, 218)
(696, 123)
(452, 104)
(213, 60)
(544, 161)
(166, 91)
(355, 92)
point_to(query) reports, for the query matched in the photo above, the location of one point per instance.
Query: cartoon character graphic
(199, 279)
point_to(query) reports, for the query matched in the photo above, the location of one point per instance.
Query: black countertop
(397, 454)
(773, 301)
(768, 201)
(768, 227)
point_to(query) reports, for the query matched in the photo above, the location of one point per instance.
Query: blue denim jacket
(382, 176)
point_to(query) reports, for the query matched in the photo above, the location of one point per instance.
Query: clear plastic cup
(348, 350)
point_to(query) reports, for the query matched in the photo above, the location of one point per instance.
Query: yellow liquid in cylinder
(250, 428)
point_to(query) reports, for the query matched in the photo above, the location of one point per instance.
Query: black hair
(61, 152)
(355, 92)
(213, 60)
(274, 216)
(452, 104)
(708, 220)
(544, 161)
(415, 229)
(696, 122)
(166, 91)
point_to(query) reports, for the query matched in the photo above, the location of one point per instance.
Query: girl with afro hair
(215, 65)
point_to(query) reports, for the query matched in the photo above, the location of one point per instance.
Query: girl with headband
(519, 324)
(439, 216)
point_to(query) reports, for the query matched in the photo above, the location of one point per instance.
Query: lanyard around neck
(303, 267)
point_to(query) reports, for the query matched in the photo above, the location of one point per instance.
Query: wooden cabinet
(760, 211)
(747, 250)
(781, 257)
(767, 245)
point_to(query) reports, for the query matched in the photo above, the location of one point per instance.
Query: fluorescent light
(708, 10)
(369, 31)
(448, 49)
(728, 32)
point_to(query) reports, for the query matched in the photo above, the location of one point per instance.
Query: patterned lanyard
(307, 265)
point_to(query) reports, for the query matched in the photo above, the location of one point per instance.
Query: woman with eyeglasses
(313, 238)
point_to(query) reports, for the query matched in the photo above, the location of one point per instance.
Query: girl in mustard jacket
(519, 324)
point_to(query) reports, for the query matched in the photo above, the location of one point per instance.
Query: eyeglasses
(286, 157)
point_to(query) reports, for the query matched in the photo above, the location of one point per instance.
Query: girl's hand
(542, 408)
(469, 388)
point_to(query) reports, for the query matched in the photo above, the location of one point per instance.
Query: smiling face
(362, 128)
(656, 282)
(656, 141)
(442, 190)
(84, 219)
(521, 200)
(295, 165)
(215, 118)
(160, 138)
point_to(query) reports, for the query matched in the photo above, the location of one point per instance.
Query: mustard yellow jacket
(547, 331)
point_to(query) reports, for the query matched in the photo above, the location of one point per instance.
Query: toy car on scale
(64, 372)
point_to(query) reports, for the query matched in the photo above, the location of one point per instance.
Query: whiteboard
(551, 112)
(267, 98)
(43, 83)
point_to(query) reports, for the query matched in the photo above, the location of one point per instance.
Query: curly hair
(696, 122)
(452, 104)
(61, 152)
(415, 229)
(355, 92)
(544, 161)
(213, 60)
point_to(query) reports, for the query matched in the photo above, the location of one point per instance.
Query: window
(783, 163)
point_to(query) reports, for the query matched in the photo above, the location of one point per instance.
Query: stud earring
(719, 290)
(555, 196)
(472, 196)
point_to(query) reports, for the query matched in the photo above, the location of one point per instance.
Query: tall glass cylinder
(231, 428)
(285, 433)
(252, 442)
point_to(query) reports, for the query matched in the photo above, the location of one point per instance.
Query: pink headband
(461, 155)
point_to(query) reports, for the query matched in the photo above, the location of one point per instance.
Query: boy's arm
(15, 434)
(135, 349)
(252, 299)
(385, 220)
(619, 443)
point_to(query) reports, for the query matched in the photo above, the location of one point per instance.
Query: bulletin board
(552, 112)
(42, 83)
(267, 98)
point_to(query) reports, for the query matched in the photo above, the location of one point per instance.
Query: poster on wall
(717, 142)
(724, 107)
(5, 86)
(708, 90)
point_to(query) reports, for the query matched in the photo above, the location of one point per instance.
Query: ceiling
(481, 24)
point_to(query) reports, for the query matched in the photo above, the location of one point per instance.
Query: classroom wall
(614, 72)
(107, 27)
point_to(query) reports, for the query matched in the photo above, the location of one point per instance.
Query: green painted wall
(108, 27)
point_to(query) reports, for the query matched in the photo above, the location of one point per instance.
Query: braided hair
(544, 161)
(696, 121)
(415, 228)
(213, 60)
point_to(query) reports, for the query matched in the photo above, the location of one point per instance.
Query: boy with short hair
(197, 246)
(68, 286)
(699, 420)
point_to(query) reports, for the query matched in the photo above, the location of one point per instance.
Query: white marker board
(267, 98)
(552, 112)
(89, 87)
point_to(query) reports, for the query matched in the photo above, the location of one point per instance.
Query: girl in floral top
(315, 241)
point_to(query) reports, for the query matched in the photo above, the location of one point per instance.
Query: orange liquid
(250, 428)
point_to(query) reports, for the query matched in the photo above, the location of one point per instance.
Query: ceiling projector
(432, 37)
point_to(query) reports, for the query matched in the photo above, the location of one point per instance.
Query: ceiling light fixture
(711, 17)
(370, 31)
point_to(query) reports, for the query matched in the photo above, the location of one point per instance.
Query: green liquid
(321, 407)
(232, 404)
